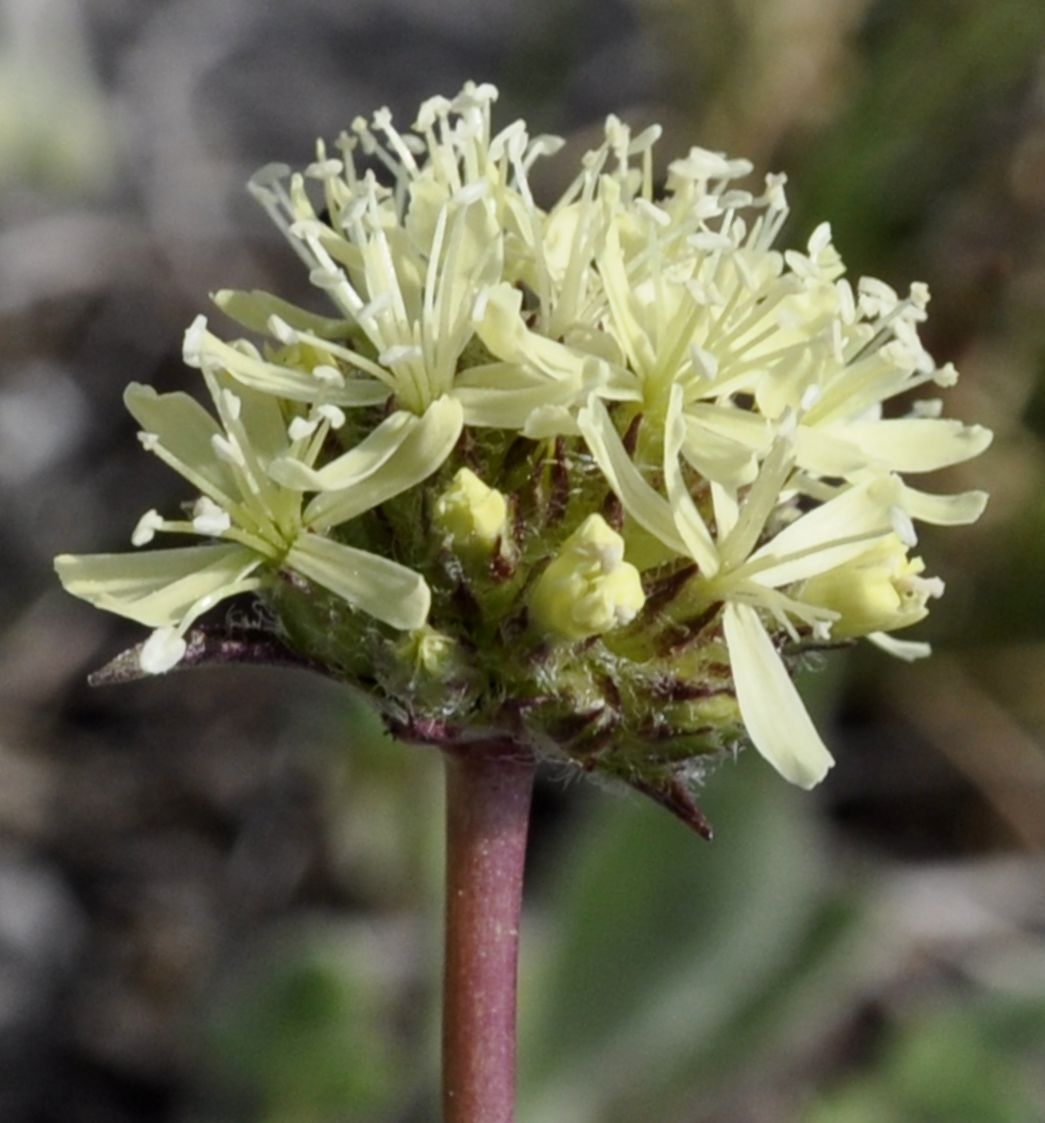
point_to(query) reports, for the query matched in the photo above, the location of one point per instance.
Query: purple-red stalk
(488, 790)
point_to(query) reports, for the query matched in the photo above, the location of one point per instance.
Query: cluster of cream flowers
(592, 460)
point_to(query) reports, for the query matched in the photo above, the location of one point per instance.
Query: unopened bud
(589, 588)
(471, 514)
(880, 590)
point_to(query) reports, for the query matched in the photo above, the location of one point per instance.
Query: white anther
(704, 362)
(208, 518)
(709, 241)
(282, 330)
(820, 239)
(326, 278)
(302, 427)
(810, 396)
(268, 175)
(376, 307)
(479, 307)
(192, 345)
(470, 193)
(325, 169)
(946, 376)
(328, 374)
(902, 525)
(651, 210)
(231, 403)
(400, 353)
(701, 164)
(145, 531)
(430, 111)
(846, 300)
(308, 228)
(228, 450)
(334, 416)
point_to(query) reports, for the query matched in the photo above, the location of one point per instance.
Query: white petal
(746, 428)
(160, 587)
(944, 510)
(253, 309)
(826, 451)
(909, 444)
(718, 458)
(773, 713)
(649, 509)
(183, 432)
(351, 467)
(382, 588)
(424, 448)
(759, 503)
(908, 650)
(505, 395)
(830, 534)
(550, 421)
(691, 526)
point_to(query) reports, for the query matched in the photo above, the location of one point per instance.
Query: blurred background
(220, 893)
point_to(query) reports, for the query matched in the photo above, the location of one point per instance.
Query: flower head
(591, 476)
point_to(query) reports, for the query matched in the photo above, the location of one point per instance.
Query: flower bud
(471, 515)
(880, 590)
(589, 588)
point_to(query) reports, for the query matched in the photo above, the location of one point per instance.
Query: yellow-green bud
(471, 514)
(430, 651)
(589, 588)
(880, 590)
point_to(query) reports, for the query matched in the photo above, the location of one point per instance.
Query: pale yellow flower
(262, 528)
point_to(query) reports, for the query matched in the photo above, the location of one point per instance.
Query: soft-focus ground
(219, 894)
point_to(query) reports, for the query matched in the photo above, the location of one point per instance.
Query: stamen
(209, 519)
(145, 531)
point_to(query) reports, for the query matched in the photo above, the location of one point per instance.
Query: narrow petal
(918, 444)
(263, 422)
(691, 526)
(505, 395)
(758, 505)
(776, 720)
(726, 508)
(353, 466)
(183, 431)
(743, 426)
(159, 587)
(649, 509)
(829, 535)
(422, 451)
(718, 458)
(905, 649)
(944, 510)
(253, 309)
(827, 452)
(293, 384)
(384, 589)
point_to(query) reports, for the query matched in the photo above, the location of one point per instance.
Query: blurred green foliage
(961, 1063)
(302, 1035)
(671, 963)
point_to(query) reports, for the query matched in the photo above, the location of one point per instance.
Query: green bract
(588, 477)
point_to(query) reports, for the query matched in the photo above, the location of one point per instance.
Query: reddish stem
(488, 791)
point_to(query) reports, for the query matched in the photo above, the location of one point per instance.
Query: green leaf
(675, 960)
